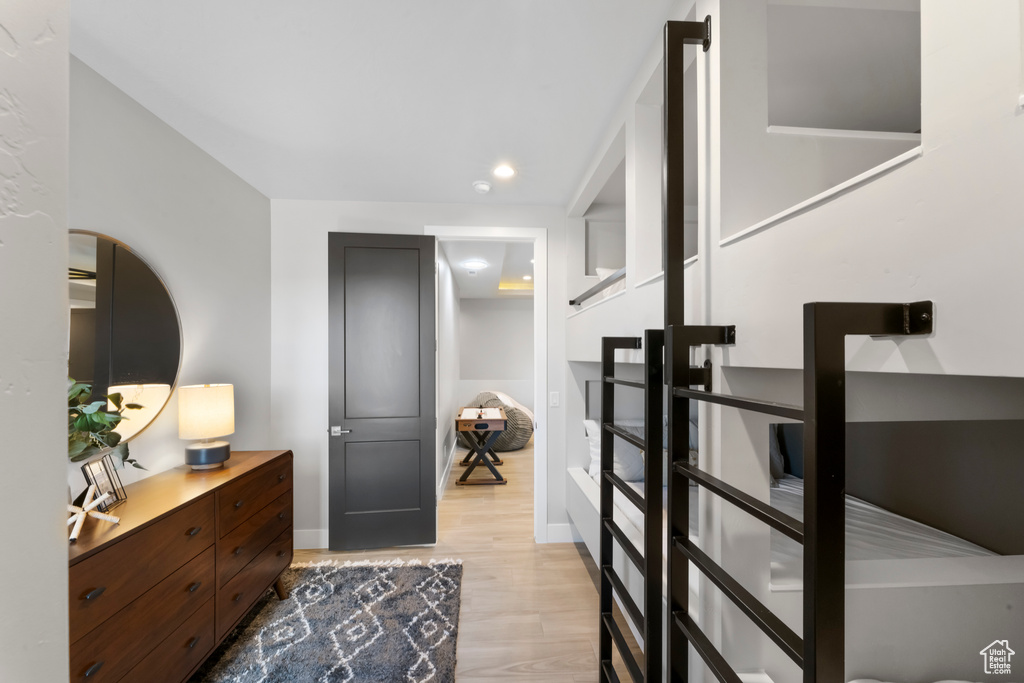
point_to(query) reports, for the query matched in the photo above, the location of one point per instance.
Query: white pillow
(604, 274)
(629, 460)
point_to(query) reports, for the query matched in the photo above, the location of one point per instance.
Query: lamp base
(207, 455)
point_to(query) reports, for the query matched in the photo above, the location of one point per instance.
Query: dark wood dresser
(151, 597)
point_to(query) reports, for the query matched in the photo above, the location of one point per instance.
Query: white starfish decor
(80, 513)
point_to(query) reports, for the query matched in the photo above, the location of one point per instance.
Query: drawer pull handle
(238, 504)
(280, 477)
(280, 553)
(192, 643)
(280, 515)
(194, 530)
(93, 669)
(195, 586)
(238, 550)
(94, 593)
(237, 598)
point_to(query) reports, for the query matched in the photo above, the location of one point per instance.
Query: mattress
(872, 533)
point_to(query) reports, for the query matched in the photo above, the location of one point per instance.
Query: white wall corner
(310, 539)
(33, 340)
(559, 533)
(446, 470)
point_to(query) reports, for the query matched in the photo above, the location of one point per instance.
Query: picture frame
(103, 474)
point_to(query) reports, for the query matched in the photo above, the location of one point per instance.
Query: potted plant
(91, 429)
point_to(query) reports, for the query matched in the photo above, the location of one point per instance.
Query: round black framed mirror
(125, 333)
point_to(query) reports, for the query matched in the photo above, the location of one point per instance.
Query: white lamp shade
(206, 411)
(151, 397)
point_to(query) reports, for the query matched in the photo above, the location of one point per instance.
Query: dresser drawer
(239, 594)
(176, 656)
(104, 583)
(110, 649)
(241, 499)
(249, 538)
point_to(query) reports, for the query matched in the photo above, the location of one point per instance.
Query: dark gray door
(382, 463)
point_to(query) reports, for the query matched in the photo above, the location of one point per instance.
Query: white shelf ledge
(843, 133)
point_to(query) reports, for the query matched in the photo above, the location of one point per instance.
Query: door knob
(338, 431)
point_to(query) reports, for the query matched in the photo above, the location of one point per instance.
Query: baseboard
(443, 480)
(310, 539)
(560, 533)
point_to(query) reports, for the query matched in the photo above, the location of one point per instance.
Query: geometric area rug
(348, 622)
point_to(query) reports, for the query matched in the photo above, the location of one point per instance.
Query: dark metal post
(677, 364)
(824, 496)
(654, 346)
(607, 465)
(826, 326)
(672, 184)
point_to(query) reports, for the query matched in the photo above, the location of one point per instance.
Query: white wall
(448, 347)
(299, 339)
(763, 172)
(33, 337)
(944, 226)
(496, 348)
(202, 229)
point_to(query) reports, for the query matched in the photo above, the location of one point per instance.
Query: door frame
(539, 237)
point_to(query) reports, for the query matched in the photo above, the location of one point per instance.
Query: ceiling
(391, 100)
(507, 263)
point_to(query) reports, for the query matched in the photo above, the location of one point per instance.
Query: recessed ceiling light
(481, 186)
(504, 171)
(474, 264)
(527, 277)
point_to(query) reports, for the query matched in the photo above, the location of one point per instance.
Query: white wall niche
(816, 97)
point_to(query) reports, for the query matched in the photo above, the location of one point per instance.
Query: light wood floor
(529, 611)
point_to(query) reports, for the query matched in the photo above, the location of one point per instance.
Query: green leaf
(120, 455)
(115, 398)
(98, 422)
(78, 392)
(86, 454)
(76, 447)
(93, 407)
(133, 406)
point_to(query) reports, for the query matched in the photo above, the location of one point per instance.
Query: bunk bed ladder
(648, 621)
(821, 651)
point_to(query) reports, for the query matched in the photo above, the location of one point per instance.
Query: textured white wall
(203, 230)
(299, 336)
(447, 365)
(33, 337)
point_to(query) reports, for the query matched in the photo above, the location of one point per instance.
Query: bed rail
(647, 621)
(599, 287)
(821, 651)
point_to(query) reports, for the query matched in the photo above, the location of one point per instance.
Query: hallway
(529, 611)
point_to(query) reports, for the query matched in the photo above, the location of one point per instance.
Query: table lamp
(206, 411)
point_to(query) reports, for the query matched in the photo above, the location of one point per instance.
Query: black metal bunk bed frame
(650, 562)
(820, 653)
